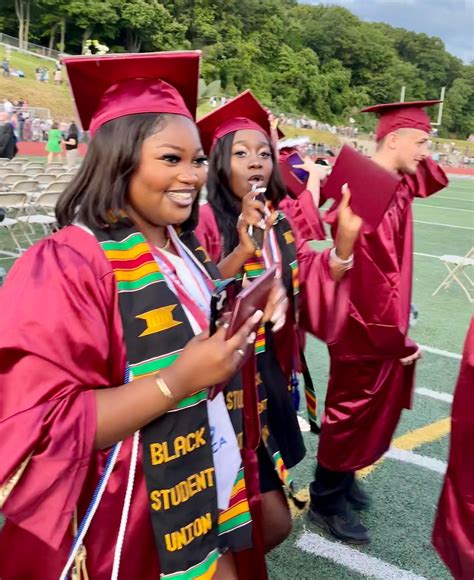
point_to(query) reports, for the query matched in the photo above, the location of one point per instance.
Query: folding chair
(64, 178)
(14, 204)
(45, 179)
(12, 178)
(13, 166)
(54, 169)
(457, 267)
(45, 205)
(55, 187)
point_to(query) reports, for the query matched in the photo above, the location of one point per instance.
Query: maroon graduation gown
(453, 534)
(47, 406)
(368, 387)
(323, 303)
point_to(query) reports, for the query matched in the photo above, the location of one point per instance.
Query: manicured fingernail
(257, 316)
(251, 338)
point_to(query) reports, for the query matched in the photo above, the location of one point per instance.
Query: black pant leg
(328, 490)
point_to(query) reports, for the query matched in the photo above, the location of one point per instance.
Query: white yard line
(446, 397)
(443, 207)
(443, 225)
(352, 559)
(416, 459)
(446, 353)
(425, 255)
(454, 198)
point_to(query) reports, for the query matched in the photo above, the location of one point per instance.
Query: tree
(22, 9)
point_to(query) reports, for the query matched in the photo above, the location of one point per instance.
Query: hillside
(46, 95)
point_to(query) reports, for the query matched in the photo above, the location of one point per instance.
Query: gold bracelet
(162, 386)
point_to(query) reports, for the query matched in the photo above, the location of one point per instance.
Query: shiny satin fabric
(368, 386)
(65, 284)
(323, 303)
(453, 534)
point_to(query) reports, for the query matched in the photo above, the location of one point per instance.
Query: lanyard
(199, 310)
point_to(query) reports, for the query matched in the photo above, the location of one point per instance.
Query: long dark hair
(97, 196)
(225, 205)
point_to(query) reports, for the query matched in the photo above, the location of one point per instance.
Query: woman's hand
(348, 226)
(412, 358)
(253, 211)
(277, 306)
(208, 361)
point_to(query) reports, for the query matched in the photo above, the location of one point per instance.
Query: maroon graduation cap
(406, 115)
(109, 87)
(243, 112)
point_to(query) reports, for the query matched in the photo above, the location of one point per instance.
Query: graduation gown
(453, 534)
(322, 310)
(368, 386)
(66, 285)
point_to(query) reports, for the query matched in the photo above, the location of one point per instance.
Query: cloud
(450, 20)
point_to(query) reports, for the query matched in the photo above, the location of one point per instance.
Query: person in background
(238, 139)
(107, 363)
(53, 145)
(453, 533)
(72, 143)
(8, 147)
(6, 67)
(373, 361)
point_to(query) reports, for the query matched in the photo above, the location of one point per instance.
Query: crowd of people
(143, 432)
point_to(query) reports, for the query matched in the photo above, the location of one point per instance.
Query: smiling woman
(110, 347)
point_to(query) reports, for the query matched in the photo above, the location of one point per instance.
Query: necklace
(165, 246)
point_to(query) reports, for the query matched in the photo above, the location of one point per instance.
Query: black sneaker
(344, 526)
(357, 496)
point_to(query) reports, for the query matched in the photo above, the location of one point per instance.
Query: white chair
(12, 178)
(55, 187)
(54, 169)
(13, 166)
(45, 179)
(25, 186)
(458, 272)
(14, 204)
(45, 205)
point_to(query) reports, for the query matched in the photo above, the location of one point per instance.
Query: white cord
(126, 506)
(91, 513)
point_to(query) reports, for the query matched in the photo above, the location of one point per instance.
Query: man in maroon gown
(453, 534)
(372, 364)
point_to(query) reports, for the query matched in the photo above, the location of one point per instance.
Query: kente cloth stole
(254, 268)
(177, 447)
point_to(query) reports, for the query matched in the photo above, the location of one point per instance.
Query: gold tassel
(79, 570)
(7, 488)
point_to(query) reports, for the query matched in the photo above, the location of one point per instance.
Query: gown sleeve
(304, 216)
(54, 350)
(323, 302)
(429, 179)
(207, 232)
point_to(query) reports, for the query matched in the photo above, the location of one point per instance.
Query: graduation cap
(243, 112)
(372, 187)
(406, 115)
(109, 87)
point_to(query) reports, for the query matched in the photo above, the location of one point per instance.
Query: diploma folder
(372, 187)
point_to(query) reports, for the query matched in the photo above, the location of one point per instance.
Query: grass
(405, 496)
(45, 95)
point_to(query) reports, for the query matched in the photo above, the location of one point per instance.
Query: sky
(451, 20)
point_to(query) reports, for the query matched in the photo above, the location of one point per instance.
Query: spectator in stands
(72, 143)
(7, 107)
(8, 148)
(53, 146)
(6, 67)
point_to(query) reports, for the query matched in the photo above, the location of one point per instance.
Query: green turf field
(405, 494)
